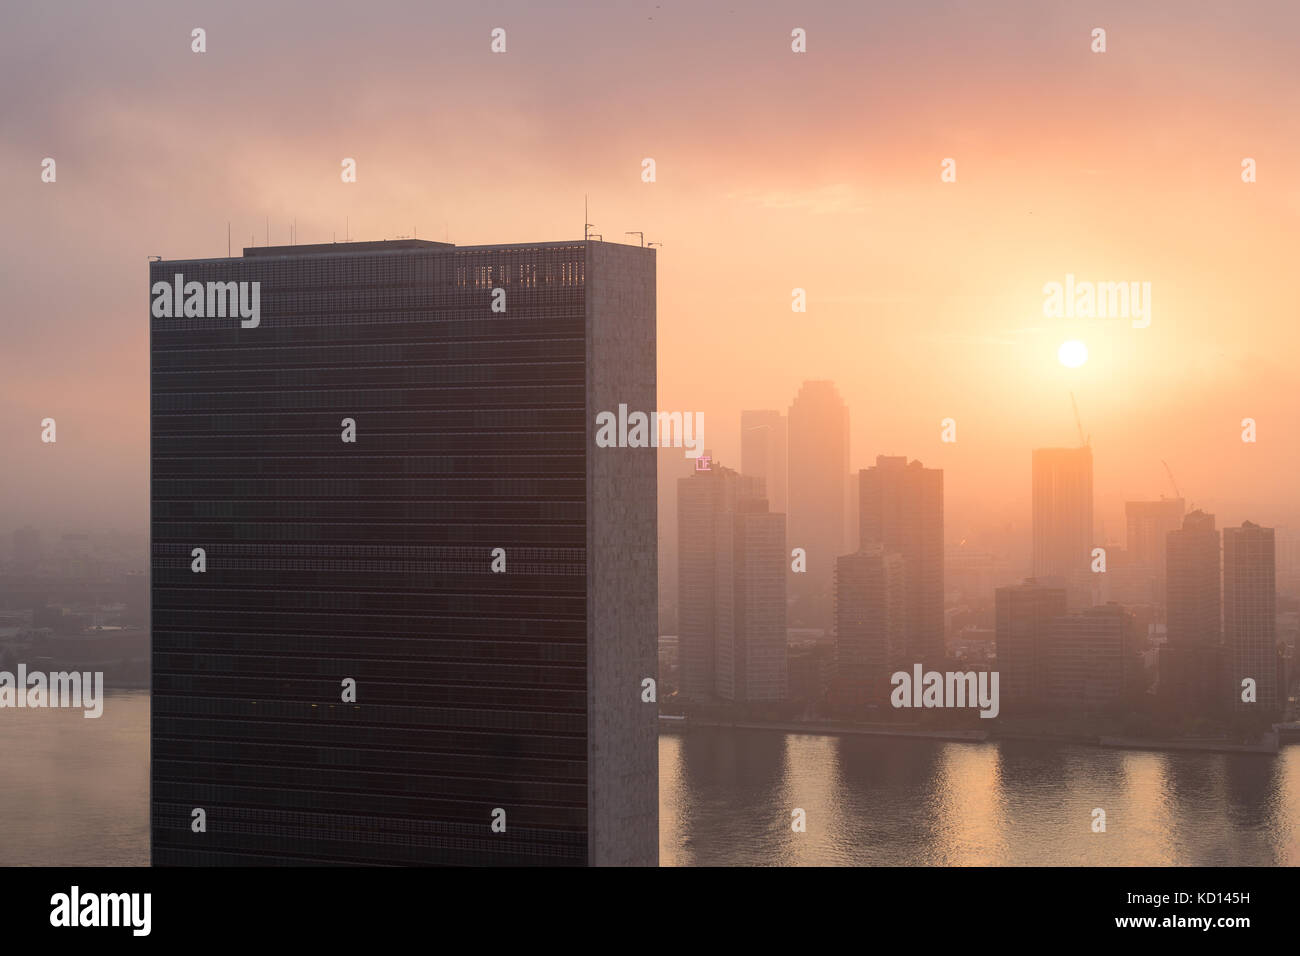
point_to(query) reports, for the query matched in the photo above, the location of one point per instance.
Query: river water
(74, 792)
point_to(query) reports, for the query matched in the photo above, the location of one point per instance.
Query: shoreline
(830, 729)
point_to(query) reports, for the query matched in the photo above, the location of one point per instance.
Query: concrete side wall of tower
(622, 570)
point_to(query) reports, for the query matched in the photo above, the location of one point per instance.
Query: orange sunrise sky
(774, 171)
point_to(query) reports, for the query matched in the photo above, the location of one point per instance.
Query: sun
(1072, 353)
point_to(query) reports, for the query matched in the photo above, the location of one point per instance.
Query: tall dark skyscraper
(901, 510)
(818, 469)
(403, 603)
(1250, 614)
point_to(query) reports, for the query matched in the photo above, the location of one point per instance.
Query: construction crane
(1170, 472)
(1079, 424)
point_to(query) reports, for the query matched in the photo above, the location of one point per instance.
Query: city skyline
(1094, 627)
(650, 434)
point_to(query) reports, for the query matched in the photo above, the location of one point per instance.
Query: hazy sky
(774, 171)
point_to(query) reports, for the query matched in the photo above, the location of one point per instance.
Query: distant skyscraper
(1149, 522)
(396, 584)
(901, 510)
(1250, 613)
(763, 453)
(1192, 588)
(1092, 660)
(818, 465)
(852, 503)
(732, 568)
(1191, 662)
(751, 645)
(1126, 581)
(1287, 543)
(705, 499)
(870, 625)
(1024, 615)
(1062, 491)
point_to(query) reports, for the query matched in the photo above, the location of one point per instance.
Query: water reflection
(726, 797)
(76, 794)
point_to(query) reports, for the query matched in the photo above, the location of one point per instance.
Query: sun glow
(1072, 354)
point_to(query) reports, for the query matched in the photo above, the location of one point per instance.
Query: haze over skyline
(774, 171)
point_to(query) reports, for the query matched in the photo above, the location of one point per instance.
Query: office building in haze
(870, 627)
(901, 510)
(752, 647)
(1024, 615)
(1092, 662)
(1250, 615)
(1062, 510)
(399, 593)
(818, 423)
(1148, 525)
(706, 504)
(763, 445)
(1192, 673)
(732, 569)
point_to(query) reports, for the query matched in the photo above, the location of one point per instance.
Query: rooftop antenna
(227, 238)
(641, 234)
(347, 228)
(586, 226)
(268, 230)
